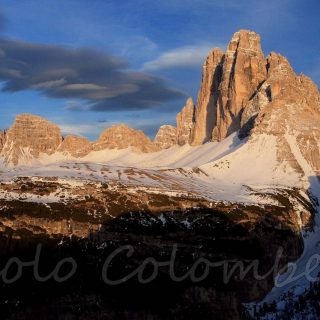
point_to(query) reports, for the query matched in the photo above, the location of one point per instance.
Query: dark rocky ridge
(153, 224)
(213, 234)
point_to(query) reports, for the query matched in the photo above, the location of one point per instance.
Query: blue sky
(132, 61)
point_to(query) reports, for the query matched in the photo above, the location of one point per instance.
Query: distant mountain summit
(122, 137)
(28, 138)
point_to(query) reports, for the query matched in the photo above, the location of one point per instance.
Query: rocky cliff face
(287, 106)
(244, 70)
(241, 90)
(75, 146)
(185, 122)
(122, 137)
(206, 116)
(28, 137)
(229, 81)
(2, 139)
(166, 137)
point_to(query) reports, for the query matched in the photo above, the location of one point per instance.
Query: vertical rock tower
(206, 114)
(228, 82)
(185, 122)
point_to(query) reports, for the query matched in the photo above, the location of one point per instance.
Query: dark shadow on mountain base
(196, 233)
(245, 130)
(307, 304)
(314, 189)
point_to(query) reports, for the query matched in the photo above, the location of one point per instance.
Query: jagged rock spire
(206, 115)
(185, 122)
(228, 83)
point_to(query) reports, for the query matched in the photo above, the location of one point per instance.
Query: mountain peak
(228, 81)
(245, 40)
(278, 65)
(189, 103)
(121, 137)
(28, 137)
(166, 137)
(185, 122)
(76, 146)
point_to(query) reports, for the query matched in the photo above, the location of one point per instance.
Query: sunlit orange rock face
(122, 137)
(2, 139)
(208, 97)
(185, 122)
(166, 137)
(287, 106)
(243, 91)
(29, 137)
(228, 82)
(76, 146)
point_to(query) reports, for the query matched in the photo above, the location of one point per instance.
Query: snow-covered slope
(231, 170)
(174, 157)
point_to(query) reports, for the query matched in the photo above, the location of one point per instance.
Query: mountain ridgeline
(241, 90)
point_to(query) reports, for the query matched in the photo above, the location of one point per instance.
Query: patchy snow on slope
(254, 164)
(226, 171)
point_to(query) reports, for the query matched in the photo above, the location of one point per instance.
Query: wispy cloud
(136, 45)
(103, 80)
(75, 106)
(182, 57)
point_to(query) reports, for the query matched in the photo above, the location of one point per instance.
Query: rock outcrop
(29, 137)
(76, 146)
(166, 137)
(244, 70)
(2, 139)
(287, 106)
(206, 115)
(229, 81)
(122, 137)
(185, 123)
(241, 90)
